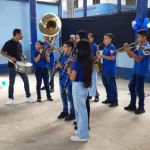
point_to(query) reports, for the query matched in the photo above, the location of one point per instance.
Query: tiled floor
(35, 126)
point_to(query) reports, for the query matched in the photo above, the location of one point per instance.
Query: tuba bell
(50, 26)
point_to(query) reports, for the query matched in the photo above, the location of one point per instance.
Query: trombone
(146, 50)
(121, 50)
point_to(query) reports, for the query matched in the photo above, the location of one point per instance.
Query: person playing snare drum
(12, 50)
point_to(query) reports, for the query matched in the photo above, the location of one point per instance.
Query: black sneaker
(43, 88)
(130, 108)
(140, 111)
(49, 98)
(96, 99)
(106, 102)
(62, 115)
(115, 104)
(39, 100)
(75, 123)
(70, 118)
(75, 127)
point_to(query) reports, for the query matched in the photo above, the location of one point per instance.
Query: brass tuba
(50, 25)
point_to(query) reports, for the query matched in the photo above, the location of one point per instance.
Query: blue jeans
(42, 73)
(12, 76)
(136, 87)
(109, 82)
(67, 97)
(80, 94)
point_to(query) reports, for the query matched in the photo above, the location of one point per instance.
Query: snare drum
(23, 67)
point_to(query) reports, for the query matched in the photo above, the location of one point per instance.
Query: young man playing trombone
(141, 67)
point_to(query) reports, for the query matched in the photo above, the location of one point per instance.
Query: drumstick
(12, 61)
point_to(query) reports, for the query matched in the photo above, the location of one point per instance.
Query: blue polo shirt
(42, 63)
(79, 71)
(142, 67)
(94, 49)
(109, 66)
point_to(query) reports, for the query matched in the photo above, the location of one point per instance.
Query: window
(128, 5)
(131, 2)
(148, 3)
(96, 1)
(76, 4)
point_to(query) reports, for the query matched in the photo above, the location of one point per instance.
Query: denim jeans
(136, 87)
(80, 94)
(12, 76)
(109, 82)
(67, 97)
(93, 88)
(42, 73)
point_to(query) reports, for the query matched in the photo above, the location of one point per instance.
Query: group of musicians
(78, 76)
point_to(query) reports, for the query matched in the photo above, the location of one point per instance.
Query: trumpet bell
(50, 25)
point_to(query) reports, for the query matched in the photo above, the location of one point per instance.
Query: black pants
(42, 73)
(12, 76)
(136, 87)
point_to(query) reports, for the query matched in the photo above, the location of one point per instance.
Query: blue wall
(15, 14)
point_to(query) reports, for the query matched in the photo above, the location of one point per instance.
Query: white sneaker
(75, 138)
(10, 101)
(29, 100)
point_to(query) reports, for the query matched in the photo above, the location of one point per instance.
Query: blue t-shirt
(142, 67)
(79, 71)
(94, 49)
(109, 66)
(42, 63)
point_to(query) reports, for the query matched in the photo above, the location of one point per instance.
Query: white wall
(15, 14)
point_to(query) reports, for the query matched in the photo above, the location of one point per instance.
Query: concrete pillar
(142, 9)
(85, 8)
(118, 6)
(70, 8)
